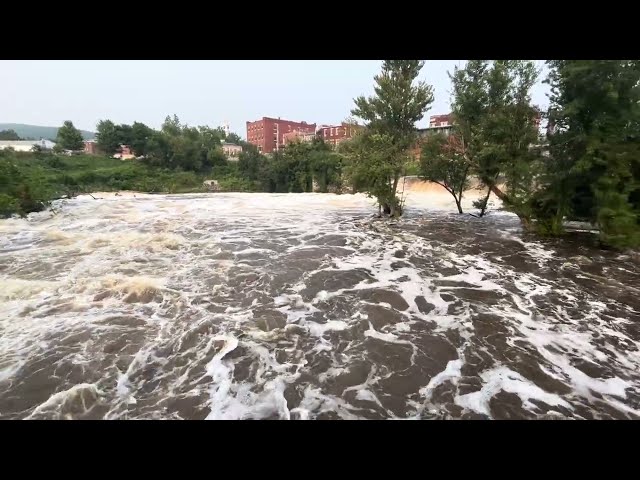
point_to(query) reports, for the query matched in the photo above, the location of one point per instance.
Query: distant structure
(232, 151)
(438, 124)
(335, 134)
(124, 153)
(90, 147)
(225, 128)
(27, 145)
(298, 136)
(268, 133)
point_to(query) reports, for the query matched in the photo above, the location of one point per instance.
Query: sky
(200, 92)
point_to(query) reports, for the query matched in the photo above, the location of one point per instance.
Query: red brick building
(298, 136)
(268, 134)
(334, 134)
(91, 147)
(440, 120)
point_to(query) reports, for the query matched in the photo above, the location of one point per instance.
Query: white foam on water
(319, 329)
(504, 379)
(84, 391)
(153, 283)
(450, 373)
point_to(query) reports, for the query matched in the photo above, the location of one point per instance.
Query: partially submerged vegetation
(586, 167)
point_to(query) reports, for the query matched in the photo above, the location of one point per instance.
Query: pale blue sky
(203, 92)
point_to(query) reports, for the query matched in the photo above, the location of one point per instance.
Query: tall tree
(469, 104)
(140, 137)
(368, 167)
(391, 114)
(593, 172)
(107, 137)
(510, 134)
(250, 163)
(69, 137)
(496, 124)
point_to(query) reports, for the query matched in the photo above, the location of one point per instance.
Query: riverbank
(30, 181)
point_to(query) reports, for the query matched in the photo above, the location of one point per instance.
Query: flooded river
(302, 306)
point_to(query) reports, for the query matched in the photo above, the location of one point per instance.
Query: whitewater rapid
(303, 306)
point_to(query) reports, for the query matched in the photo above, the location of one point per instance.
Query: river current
(304, 306)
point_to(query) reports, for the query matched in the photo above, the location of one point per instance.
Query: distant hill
(37, 132)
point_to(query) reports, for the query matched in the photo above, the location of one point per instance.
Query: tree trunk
(484, 204)
(396, 211)
(458, 204)
(459, 198)
(525, 220)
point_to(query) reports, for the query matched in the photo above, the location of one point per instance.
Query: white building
(231, 150)
(26, 145)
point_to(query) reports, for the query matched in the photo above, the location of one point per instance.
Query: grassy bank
(29, 181)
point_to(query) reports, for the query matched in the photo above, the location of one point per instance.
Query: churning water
(302, 306)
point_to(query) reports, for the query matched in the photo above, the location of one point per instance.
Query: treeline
(296, 168)
(10, 135)
(586, 167)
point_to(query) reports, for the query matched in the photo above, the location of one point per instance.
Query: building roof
(25, 142)
(227, 144)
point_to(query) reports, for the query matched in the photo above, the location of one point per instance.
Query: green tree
(391, 114)
(69, 137)
(441, 162)
(369, 169)
(140, 137)
(233, 138)
(593, 171)
(107, 137)
(125, 134)
(326, 166)
(9, 135)
(495, 121)
(250, 163)
(469, 104)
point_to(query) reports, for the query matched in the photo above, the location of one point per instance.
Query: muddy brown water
(301, 306)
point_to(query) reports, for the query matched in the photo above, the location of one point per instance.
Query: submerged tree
(593, 171)
(373, 161)
(391, 114)
(496, 124)
(442, 162)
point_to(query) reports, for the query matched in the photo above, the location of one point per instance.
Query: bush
(8, 205)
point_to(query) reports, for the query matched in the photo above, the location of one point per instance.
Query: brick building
(437, 124)
(298, 136)
(91, 147)
(440, 120)
(334, 134)
(268, 134)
